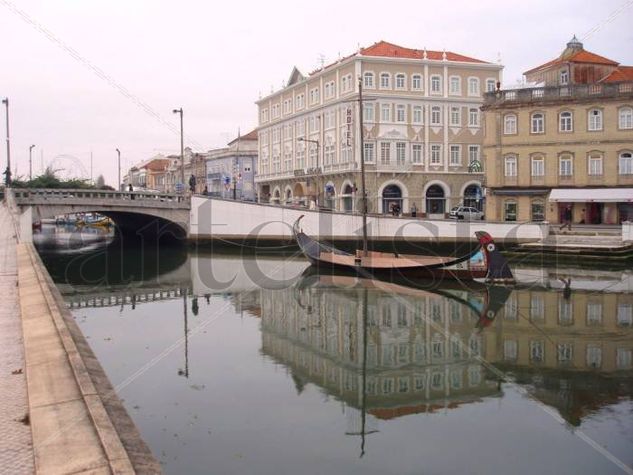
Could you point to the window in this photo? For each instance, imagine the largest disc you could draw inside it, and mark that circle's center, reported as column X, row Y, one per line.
column 594, row 356
column 626, row 163
column 455, row 85
column 625, row 118
column 565, row 165
column 436, row 84
column 369, row 154
column 436, row 115
column 510, row 166
column 625, row 315
column 623, row 358
column 385, row 153
column 368, row 112
column 264, row 115
column 538, row 211
column 491, row 85
column 417, row 115
column 565, row 312
column 510, row 211
column 400, row 113
column 564, row 77
column 300, row 101
column 594, row 121
column 314, row 96
column 330, row 89
column 510, row 350
column 455, row 157
column 401, row 81
column 416, row 153
column 537, row 351
column 538, row 166
column 565, row 352
column 401, row 152
column 594, row 313
column 416, row 82
column 473, row 86
column 538, row 123
column 565, row 122
column 385, row 112
column 385, row 80
column 595, row 165
column 473, row 117
column 368, row 80
column 436, row 154
column 456, row 116
column 537, row 307
column 473, row 154
column 510, row 124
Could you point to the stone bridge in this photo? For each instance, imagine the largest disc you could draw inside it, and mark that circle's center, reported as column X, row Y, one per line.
column 150, row 215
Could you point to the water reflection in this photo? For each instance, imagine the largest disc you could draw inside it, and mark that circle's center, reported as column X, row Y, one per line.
column 384, row 353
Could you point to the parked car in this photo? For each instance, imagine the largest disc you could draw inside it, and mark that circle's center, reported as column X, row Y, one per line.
column 466, row 213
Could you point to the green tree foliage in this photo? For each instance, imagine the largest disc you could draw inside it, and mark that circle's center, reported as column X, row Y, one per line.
column 48, row 179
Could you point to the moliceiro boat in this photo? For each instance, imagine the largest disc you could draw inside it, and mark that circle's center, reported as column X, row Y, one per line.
column 484, row 262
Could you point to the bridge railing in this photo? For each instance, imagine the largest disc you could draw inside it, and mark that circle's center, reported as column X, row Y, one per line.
column 44, row 194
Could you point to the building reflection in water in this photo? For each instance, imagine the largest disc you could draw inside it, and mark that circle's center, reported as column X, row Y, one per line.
column 429, row 351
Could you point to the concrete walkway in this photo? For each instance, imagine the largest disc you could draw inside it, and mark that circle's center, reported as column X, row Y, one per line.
column 16, row 446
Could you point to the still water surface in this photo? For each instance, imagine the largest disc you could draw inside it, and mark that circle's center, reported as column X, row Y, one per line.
column 248, row 364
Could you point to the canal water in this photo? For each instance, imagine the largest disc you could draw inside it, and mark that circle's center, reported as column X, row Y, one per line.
column 244, row 362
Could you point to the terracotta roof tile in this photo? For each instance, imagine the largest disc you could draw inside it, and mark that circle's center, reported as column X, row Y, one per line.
column 582, row 56
column 252, row 135
column 623, row 73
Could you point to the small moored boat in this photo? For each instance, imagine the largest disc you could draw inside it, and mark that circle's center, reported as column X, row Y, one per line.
column 484, row 262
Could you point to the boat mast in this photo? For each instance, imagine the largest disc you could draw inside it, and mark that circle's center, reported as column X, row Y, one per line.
column 362, row 164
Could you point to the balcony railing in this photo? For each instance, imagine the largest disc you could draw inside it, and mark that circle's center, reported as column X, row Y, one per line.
column 553, row 93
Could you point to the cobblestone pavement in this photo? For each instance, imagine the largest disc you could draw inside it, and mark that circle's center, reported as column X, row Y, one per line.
column 16, row 452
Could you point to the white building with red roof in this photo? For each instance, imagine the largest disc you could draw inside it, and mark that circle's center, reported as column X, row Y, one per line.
column 422, row 132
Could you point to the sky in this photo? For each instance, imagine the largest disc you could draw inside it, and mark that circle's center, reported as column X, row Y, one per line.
column 86, row 77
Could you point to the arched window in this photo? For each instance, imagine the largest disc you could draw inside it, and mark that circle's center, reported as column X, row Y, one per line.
column 385, row 80
column 594, row 120
column 538, row 166
column 625, row 118
column 436, row 84
column 538, row 123
column 416, row 82
column 626, row 163
column 594, row 164
column 510, row 166
column 565, row 165
column 401, row 81
column 473, row 197
column 392, row 199
column 510, row 124
column 436, row 115
column 455, row 85
column 368, row 80
column 347, row 198
column 565, row 122
column 473, row 86
column 435, row 200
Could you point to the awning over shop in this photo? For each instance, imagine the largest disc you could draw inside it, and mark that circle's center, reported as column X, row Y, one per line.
column 520, row 191
column 592, row 195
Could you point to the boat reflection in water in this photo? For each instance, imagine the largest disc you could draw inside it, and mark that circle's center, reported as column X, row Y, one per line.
column 388, row 350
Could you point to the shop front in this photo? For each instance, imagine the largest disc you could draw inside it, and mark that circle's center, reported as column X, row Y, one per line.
column 594, row 205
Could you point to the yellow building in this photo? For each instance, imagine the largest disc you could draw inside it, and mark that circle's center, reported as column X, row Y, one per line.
column 566, row 142
column 422, row 131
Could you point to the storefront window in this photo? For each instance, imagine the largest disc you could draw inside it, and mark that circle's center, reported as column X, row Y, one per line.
column 538, row 211
column 510, row 211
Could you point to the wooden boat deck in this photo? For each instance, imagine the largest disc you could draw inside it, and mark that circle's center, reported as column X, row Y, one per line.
column 382, row 260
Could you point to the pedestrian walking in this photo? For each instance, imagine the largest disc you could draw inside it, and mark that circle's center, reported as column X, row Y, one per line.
column 414, row 211
column 131, row 189
column 192, row 183
column 567, row 214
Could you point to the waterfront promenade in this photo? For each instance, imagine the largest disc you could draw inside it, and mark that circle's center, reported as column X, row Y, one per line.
column 77, row 424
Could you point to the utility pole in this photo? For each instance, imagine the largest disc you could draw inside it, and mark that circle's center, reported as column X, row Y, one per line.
column 31, row 162
column 362, row 164
column 182, row 149
column 7, row 172
column 119, row 184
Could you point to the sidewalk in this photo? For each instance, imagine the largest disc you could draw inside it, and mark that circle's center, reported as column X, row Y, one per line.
column 16, row 444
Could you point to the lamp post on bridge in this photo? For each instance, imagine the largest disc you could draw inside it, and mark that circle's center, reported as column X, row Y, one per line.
column 7, row 172
column 31, row 162
column 182, row 149
column 119, row 157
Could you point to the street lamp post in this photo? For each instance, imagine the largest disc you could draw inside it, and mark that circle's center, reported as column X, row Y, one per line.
column 119, row 156
column 31, row 162
column 318, row 170
column 7, row 172
column 182, row 149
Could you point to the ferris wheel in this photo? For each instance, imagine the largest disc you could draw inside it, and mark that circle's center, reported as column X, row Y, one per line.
column 68, row 167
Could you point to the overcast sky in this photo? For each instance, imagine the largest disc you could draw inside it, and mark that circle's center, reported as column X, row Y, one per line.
column 95, row 75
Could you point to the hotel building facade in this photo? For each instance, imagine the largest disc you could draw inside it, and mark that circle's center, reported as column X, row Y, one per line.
column 566, row 141
column 422, row 132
